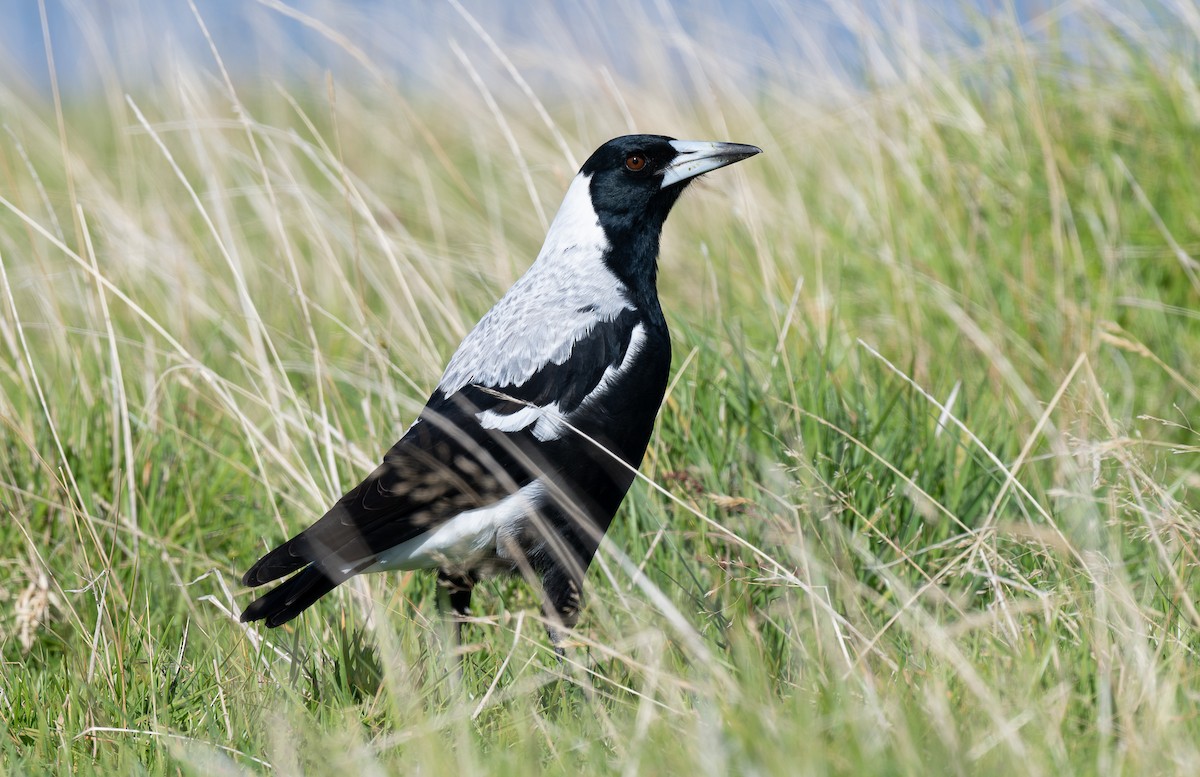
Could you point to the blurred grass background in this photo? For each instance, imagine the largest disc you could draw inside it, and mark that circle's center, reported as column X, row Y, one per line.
column 922, row 496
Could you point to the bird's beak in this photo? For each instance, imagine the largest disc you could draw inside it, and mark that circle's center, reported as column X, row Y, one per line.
column 696, row 157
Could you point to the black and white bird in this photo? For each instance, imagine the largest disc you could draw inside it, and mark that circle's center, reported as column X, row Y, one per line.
column 529, row 443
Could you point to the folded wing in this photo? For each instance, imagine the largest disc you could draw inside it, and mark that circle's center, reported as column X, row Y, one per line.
column 467, row 450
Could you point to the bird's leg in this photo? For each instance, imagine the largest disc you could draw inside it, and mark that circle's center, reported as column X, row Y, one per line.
column 454, row 599
column 563, row 602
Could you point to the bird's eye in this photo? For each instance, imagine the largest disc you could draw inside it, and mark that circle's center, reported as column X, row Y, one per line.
column 635, row 163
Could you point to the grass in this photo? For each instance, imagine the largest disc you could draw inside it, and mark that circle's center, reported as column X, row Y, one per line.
column 922, row 495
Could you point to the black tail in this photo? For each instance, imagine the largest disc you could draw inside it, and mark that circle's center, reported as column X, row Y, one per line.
column 289, row 598
column 284, row 560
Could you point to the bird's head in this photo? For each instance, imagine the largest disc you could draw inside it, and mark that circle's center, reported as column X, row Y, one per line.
column 627, row 187
column 635, row 179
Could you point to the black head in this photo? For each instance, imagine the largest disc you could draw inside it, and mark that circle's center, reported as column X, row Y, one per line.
column 635, row 179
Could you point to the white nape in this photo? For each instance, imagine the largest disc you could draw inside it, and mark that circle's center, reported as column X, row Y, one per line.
column 565, row 293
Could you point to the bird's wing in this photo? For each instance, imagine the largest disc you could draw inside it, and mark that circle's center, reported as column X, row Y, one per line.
column 544, row 401
column 467, row 450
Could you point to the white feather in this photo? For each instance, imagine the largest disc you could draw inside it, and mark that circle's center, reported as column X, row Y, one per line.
column 468, row 538
column 547, row 421
column 565, row 293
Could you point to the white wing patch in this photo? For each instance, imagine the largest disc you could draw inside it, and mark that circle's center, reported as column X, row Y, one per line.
column 548, row 422
column 467, row 539
column 565, row 293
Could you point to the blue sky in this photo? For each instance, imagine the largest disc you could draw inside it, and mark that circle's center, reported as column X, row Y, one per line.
column 136, row 39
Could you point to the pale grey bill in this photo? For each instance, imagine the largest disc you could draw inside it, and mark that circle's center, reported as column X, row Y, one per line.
column 696, row 157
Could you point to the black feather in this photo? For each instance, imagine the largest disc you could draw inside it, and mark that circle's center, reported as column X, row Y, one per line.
column 290, row 598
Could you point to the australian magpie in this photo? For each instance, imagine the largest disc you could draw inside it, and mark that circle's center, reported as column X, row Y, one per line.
column 521, row 457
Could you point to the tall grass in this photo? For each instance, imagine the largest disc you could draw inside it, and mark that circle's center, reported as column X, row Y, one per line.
column 922, row 496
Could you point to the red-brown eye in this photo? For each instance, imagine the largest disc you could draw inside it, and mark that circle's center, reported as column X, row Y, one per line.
column 635, row 163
